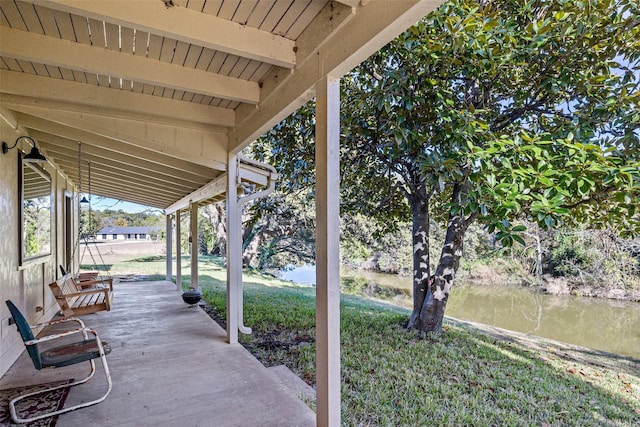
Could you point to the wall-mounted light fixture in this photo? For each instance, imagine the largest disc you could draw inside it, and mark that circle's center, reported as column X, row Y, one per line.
column 34, row 156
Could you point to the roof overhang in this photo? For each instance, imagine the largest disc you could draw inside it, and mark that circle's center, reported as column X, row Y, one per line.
column 155, row 94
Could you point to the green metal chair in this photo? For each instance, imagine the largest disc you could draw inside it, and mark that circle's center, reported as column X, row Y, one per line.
column 86, row 349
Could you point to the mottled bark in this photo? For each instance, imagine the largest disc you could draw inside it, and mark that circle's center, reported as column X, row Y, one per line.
column 421, row 269
column 433, row 308
column 430, row 298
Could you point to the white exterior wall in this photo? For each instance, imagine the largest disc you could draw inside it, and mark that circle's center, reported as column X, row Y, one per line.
column 26, row 286
column 122, row 237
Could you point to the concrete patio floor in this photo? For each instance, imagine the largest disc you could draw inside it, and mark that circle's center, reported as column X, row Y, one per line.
column 170, row 366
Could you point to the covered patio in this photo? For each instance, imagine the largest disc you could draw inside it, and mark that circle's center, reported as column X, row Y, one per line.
column 171, row 365
column 153, row 102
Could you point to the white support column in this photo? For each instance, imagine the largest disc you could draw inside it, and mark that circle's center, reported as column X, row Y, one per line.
column 178, row 253
column 193, row 224
column 169, row 236
column 327, row 251
column 234, row 250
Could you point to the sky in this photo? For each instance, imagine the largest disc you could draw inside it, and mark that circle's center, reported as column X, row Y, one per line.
column 102, row 203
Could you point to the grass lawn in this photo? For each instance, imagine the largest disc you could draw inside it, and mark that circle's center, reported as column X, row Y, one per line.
column 393, row 377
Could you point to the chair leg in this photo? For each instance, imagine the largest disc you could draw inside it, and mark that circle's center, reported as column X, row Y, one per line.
column 18, row 420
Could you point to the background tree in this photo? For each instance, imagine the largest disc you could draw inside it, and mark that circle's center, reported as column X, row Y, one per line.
column 284, row 232
column 90, row 222
column 276, row 231
column 488, row 111
column 36, row 215
column 121, row 222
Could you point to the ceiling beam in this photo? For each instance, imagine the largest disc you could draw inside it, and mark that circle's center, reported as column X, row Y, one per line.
column 123, row 194
column 125, row 102
column 57, row 144
column 126, row 191
column 201, row 148
column 103, row 182
column 212, row 189
column 186, row 25
column 8, row 117
column 13, row 101
column 130, row 174
column 61, row 158
column 101, row 179
column 288, row 91
column 117, row 148
column 330, row 19
column 350, row 3
column 41, row 49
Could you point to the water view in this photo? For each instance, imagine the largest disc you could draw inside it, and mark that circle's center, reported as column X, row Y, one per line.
column 602, row 324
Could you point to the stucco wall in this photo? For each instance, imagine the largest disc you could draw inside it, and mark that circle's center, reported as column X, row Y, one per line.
column 26, row 285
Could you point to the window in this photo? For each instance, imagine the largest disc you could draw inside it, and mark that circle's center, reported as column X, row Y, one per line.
column 35, row 211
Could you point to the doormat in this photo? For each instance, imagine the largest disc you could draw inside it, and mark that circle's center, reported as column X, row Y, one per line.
column 34, row 405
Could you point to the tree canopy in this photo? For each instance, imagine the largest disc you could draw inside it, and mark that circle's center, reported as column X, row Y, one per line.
column 535, row 103
column 489, row 112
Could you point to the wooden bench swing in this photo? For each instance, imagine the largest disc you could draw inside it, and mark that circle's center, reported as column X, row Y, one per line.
column 76, row 299
column 85, row 293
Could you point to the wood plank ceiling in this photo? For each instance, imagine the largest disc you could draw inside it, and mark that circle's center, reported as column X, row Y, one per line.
column 154, row 94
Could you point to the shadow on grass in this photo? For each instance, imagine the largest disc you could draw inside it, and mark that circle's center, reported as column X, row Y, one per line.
column 630, row 365
column 548, row 348
column 391, row 376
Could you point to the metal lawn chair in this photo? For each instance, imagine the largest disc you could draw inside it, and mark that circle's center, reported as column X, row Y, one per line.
column 71, row 353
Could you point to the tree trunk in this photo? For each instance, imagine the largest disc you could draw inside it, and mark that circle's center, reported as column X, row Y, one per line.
column 430, row 312
column 433, row 308
column 421, row 269
column 538, row 254
column 221, row 231
column 252, row 247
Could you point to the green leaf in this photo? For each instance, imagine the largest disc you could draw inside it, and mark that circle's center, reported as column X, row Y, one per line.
column 518, row 239
column 549, row 221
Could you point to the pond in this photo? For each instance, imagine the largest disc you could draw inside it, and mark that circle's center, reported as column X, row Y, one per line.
column 602, row 324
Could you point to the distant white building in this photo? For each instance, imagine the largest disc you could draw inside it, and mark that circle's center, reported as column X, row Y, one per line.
column 126, row 233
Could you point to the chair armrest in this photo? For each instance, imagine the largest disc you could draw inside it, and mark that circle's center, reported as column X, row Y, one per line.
column 60, row 335
column 54, row 322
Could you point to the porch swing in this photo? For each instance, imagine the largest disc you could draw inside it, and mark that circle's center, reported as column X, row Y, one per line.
column 91, row 278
